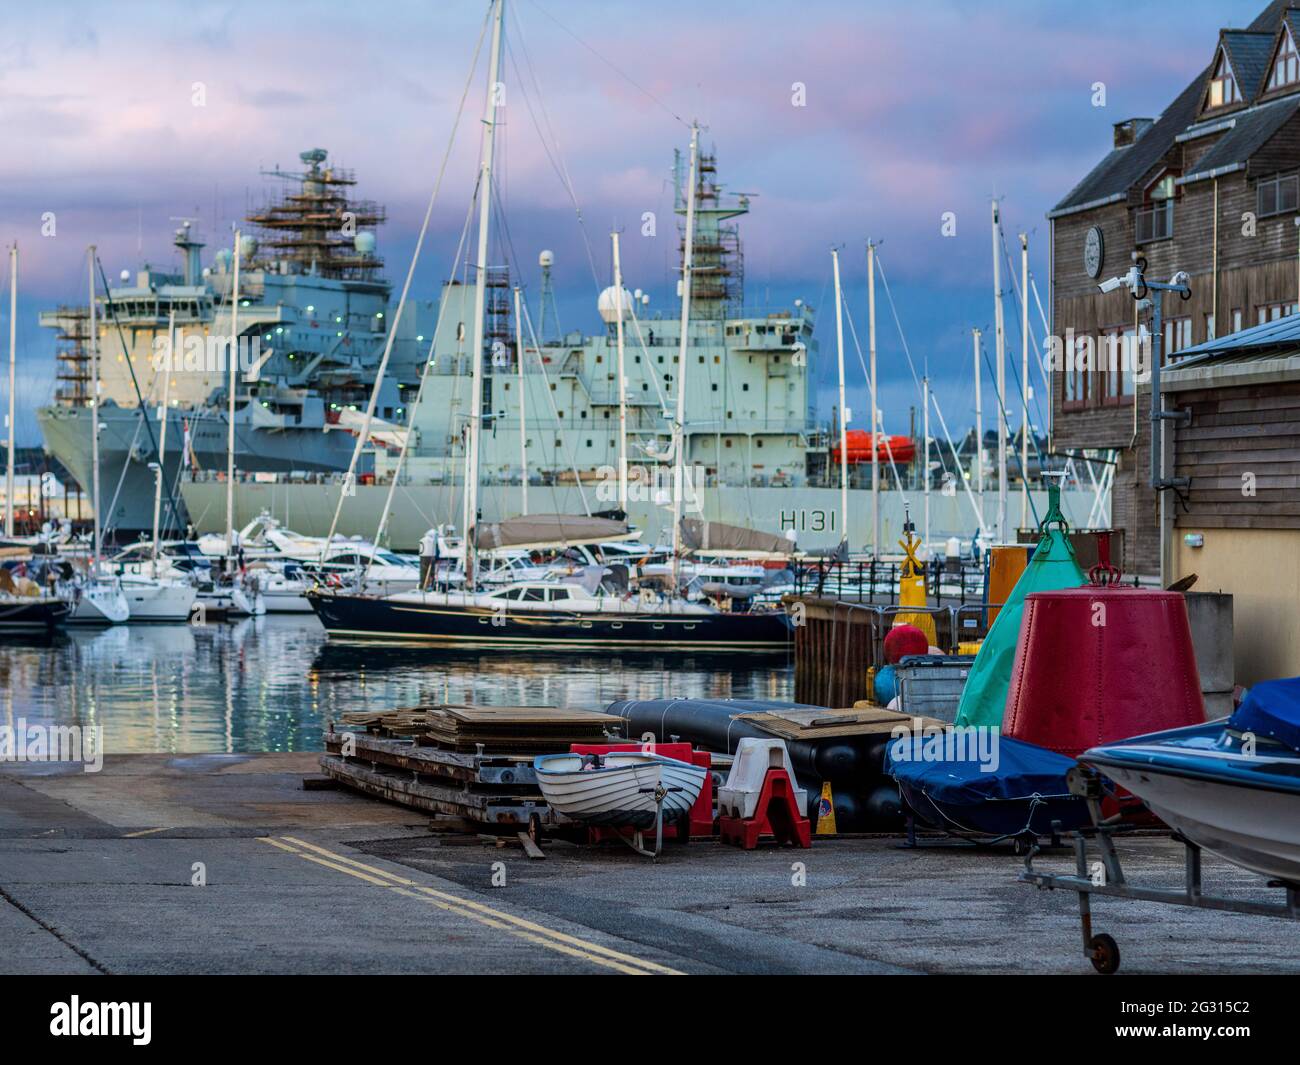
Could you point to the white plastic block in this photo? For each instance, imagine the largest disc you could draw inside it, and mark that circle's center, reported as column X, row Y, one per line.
column 754, row 757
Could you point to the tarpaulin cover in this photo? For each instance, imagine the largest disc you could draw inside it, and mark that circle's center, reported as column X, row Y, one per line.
column 1271, row 708
column 546, row 530
column 716, row 536
column 1052, row 567
column 1027, row 792
column 1022, row 770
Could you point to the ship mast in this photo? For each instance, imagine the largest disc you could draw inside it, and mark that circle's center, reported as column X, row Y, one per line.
column 1001, row 379
column 232, row 359
column 168, row 369
column 1024, row 380
column 622, row 381
column 480, row 293
column 679, row 422
column 523, row 405
column 979, row 428
column 94, row 405
column 13, row 376
column 875, row 448
column 844, row 413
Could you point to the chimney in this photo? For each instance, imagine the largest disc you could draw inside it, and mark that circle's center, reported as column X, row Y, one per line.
column 1128, row 131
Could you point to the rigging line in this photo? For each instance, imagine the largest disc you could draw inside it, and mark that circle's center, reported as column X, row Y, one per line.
column 121, row 337
column 406, row 288
column 654, row 377
column 853, row 331
column 1020, row 298
column 1024, row 474
column 566, row 179
column 546, row 380
column 430, row 363
column 933, row 398
column 617, row 70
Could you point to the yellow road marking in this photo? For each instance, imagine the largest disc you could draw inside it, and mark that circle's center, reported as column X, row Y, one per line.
column 144, row 832
column 517, row 926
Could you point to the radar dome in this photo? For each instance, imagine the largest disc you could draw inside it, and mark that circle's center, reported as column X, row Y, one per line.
column 607, row 305
column 547, row 258
column 364, row 243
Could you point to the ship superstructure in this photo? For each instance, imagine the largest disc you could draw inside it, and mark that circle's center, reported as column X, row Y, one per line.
column 749, row 404
column 312, row 323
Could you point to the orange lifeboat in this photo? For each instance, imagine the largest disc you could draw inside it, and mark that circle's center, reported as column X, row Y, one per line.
column 901, row 448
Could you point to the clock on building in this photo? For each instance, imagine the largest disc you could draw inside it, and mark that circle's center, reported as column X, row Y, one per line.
column 1093, row 251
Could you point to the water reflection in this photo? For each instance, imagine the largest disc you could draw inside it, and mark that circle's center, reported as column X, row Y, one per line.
column 271, row 684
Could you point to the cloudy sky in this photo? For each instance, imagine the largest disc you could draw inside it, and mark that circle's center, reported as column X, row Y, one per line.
column 910, row 111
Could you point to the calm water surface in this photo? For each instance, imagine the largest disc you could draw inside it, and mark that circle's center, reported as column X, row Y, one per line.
column 272, row 684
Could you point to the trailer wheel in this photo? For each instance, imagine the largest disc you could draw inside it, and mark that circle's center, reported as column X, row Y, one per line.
column 1104, row 954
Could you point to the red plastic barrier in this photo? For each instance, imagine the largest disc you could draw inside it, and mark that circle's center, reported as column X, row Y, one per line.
column 1099, row 664
column 776, row 815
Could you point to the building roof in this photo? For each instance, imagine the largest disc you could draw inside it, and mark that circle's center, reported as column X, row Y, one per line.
column 1250, row 130
column 1262, row 354
column 1248, row 50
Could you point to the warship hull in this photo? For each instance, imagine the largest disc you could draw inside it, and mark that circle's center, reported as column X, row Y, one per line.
column 813, row 513
column 127, row 483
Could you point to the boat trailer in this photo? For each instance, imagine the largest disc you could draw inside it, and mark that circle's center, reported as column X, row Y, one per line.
column 1107, row 877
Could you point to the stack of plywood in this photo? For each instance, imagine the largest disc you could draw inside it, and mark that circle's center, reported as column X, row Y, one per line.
column 529, row 729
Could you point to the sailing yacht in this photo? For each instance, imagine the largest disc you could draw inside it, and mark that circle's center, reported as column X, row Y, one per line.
column 597, row 610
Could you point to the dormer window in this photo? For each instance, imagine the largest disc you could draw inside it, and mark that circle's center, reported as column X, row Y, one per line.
column 1286, row 66
column 1154, row 220
column 1223, row 85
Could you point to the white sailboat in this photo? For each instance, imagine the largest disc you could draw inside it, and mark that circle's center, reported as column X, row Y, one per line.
column 96, row 600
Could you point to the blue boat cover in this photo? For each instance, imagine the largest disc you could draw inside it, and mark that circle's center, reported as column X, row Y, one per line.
column 1022, row 770
column 1271, row 708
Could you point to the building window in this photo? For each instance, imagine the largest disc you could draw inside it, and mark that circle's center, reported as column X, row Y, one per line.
column 1116, row 355
column 1286, row 67
column 1271, row 312
column 1236, row 319
column 1209, row 327
column 1277, row 195
column 1178, row 335
column 1155, row 219
column 1223, row 85
column 1078, row 368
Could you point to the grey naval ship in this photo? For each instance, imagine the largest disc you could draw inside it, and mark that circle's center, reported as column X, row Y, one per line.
column 313, row 306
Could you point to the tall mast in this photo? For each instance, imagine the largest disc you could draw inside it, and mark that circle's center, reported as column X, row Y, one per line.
column 168, row 369
column 523, row 406
column 875, row 449
column 13, row 378
column 94, row 405
column 1024, row 380
column 844, row 413
column 925, row 462
column 978, row 460
column 232, row 361
column 1001, row 380
column 679, row 422
column 480, row 292
column 622, row 381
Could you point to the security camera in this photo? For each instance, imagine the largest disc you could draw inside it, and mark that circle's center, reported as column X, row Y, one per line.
column 1182, row 277
column 1112, row 284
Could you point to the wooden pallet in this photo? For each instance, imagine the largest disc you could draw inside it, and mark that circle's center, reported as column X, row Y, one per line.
column 826, row 724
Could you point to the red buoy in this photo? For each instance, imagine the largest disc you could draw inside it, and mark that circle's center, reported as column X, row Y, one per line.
column 1099, row 664
column 905, row 640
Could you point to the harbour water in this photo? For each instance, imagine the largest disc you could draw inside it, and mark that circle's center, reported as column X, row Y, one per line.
column 273, row 683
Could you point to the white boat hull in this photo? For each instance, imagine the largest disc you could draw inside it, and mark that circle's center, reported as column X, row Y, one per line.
column 1256, row 828
column 163, row 601
column 621, row 794
column 100, row 603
